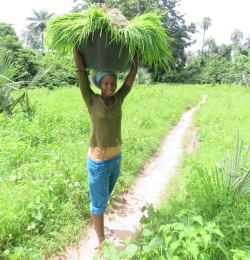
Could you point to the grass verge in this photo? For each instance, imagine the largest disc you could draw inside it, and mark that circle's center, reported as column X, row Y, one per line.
column 44, row 202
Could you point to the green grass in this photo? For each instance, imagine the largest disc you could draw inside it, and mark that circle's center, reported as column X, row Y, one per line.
column 220, row 119
column 43, row 184
column 196, row 220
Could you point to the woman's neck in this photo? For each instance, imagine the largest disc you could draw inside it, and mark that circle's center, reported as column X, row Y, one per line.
column 108, row 100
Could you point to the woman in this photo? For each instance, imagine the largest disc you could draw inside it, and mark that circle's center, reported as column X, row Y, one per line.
column 104, row 155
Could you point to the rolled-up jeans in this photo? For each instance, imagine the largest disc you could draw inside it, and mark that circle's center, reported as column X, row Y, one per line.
column 102, row 178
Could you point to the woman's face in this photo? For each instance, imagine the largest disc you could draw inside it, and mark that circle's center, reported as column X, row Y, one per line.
column 108, row 85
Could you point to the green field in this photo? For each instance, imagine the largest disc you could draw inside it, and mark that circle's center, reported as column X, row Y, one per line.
column 43, row 183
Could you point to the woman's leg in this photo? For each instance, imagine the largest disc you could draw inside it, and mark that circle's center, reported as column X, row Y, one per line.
column 102, row 179
column 98, row 191
column 115, row 169
column 98, row 222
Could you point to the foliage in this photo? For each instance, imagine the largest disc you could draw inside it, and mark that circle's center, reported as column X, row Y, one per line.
column 143, row 35
column 37, row 25
column 7, row 85
column 205, row 24
column 28, row 63
column 6, row 75
column 172, row 20
column 215, row 68
column 62, row 71
column 185, row 235
column 203, row 216
column 142, row 77
column 43, row 185
column 24, row 59
column 223, row 116
column 6, row 29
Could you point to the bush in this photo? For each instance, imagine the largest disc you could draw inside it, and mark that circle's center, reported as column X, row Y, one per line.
column 62, row 71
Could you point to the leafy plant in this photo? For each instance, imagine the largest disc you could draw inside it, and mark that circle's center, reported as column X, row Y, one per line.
column 6, row 75
column 185, row 235
column 231, row 178
column 7, row 85
column 143, row 76
column 40, row 158
column 144, row 34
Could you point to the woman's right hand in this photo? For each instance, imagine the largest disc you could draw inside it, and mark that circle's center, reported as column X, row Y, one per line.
column 79, row 61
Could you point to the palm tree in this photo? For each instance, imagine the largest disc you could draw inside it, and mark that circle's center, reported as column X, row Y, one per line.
column 236, row 37
column 8, row 85
column 247, row 43
column 7, row 73
column 38, row 22
column 205, row 23
column 211, row 44
column 31, row 38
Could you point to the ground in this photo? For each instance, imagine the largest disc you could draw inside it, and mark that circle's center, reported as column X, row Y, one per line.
column 148, row 188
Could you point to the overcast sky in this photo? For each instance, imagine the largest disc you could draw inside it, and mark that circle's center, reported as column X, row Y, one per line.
column 16, row 11
column 226, row 15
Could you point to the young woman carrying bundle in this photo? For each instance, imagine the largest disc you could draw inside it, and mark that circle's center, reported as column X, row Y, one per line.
column 104, row 154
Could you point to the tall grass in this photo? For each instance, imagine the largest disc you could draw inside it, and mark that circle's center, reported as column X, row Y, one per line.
column 214, row 178
column 44, row 201
column 206, row 211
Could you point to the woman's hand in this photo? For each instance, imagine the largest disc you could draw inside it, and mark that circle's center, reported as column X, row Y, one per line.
column 79, row 61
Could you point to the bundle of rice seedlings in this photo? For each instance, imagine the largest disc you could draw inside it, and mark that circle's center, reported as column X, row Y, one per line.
column 143, row 35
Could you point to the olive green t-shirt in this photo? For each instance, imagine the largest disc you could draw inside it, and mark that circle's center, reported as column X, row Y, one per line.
column 106, row 121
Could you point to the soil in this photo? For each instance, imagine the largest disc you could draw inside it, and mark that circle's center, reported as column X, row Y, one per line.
column 149, row 187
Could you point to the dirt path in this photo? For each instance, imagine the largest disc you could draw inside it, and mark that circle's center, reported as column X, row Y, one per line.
column 148, row 187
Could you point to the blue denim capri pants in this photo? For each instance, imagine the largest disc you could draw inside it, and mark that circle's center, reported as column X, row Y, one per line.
column 102, row 178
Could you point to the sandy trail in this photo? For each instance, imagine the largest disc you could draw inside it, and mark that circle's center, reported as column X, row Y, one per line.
column 148, row 188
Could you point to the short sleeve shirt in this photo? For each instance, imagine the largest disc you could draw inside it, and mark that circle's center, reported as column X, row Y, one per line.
column 106, row 120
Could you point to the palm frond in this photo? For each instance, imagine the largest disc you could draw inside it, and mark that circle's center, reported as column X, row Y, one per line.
column 40, row 74
column 7, row 85
column 232, row 178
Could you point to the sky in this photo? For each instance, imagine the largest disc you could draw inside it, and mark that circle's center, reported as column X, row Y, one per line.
column 225, row 15
column 15, row 12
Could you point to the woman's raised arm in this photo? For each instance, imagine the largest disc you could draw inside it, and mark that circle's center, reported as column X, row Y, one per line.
column 133, row 70
column 82, row 75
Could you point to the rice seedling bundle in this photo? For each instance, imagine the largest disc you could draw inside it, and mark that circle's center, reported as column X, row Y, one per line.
column 143, row 35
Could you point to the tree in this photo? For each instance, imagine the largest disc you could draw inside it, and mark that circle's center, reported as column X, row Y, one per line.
column 37, row 23
column 6, row 29
column 24, row 59
column 210, row 43
column 204, row 25
column 224, row 52
column 31, row 38
column 236, row 37
column 247, row 44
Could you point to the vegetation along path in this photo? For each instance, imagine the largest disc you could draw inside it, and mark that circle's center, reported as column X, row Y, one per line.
column 148, row 188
